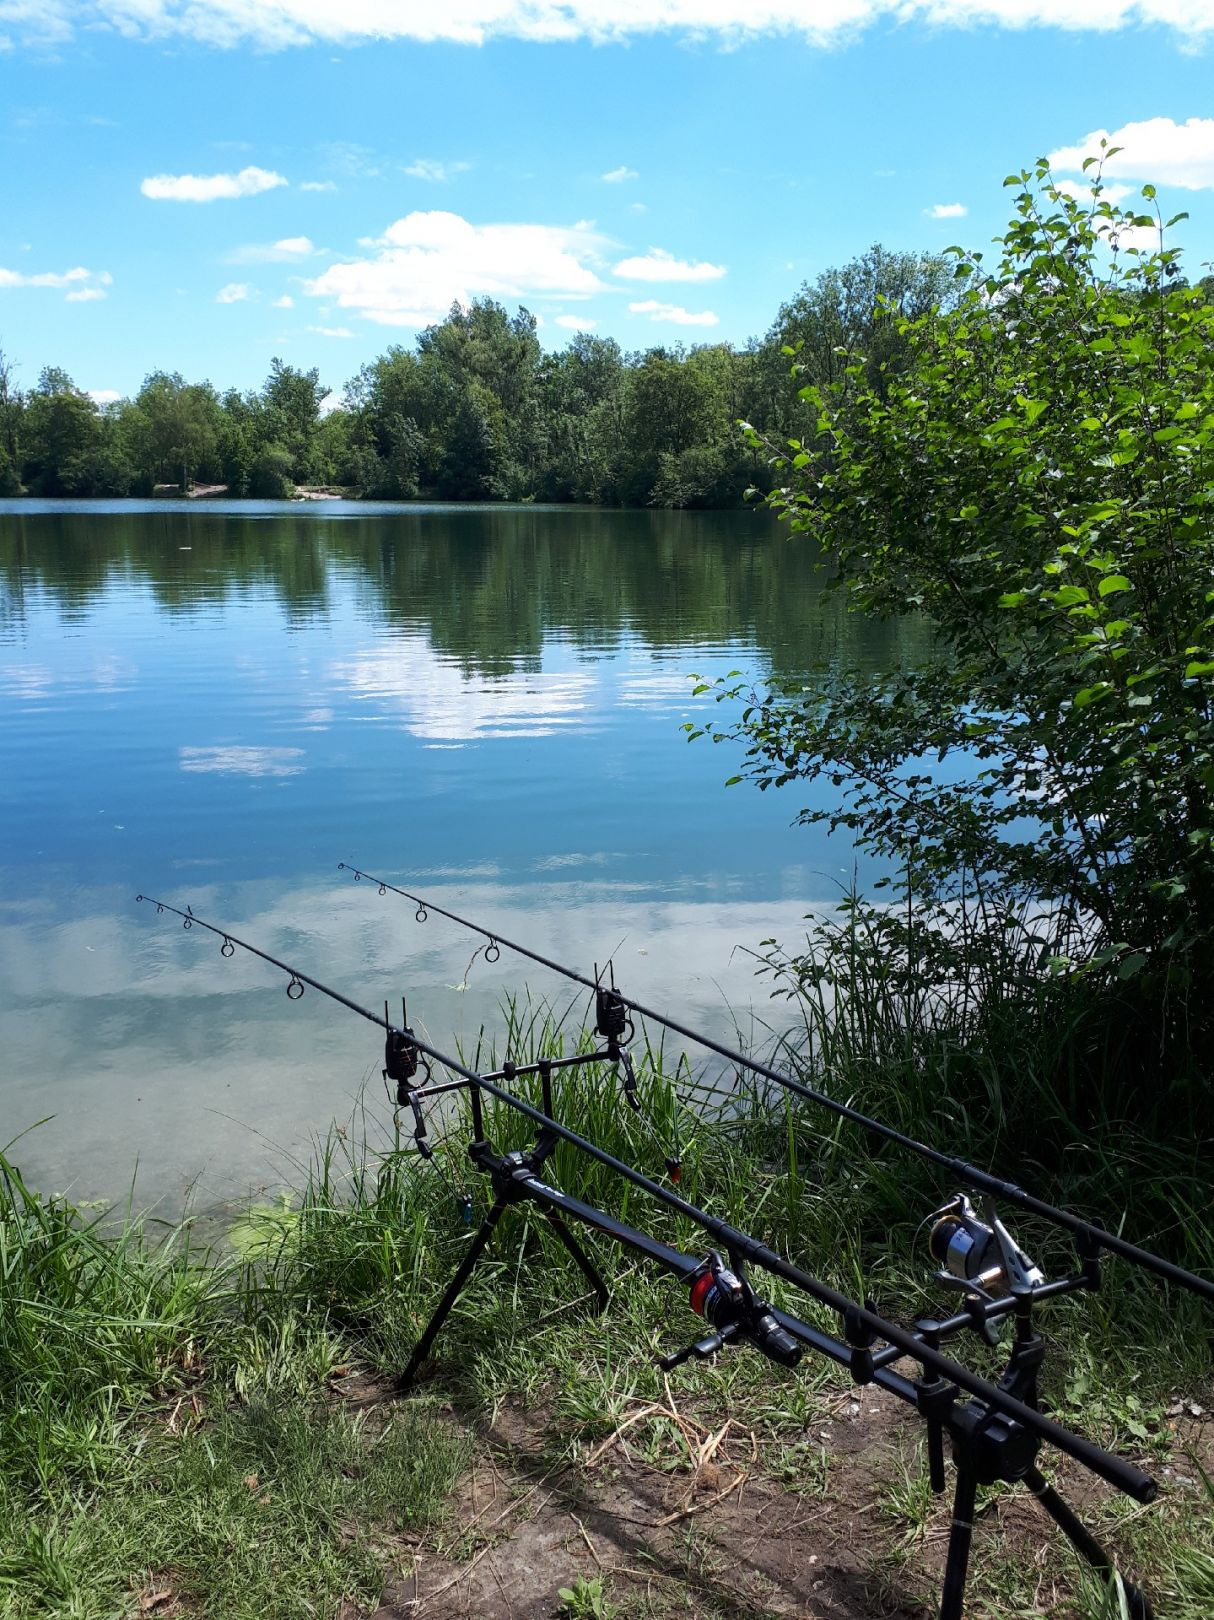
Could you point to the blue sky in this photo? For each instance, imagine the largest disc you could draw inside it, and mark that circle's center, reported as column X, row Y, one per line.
column 201, row 186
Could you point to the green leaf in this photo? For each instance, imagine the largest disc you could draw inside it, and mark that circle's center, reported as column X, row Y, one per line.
column 1112, row 583
column 1196, row 668
column 732, row 781
column 1131, row 965
column 1089, row 694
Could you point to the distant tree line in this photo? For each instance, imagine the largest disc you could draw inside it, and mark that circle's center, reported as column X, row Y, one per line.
column 477, row 411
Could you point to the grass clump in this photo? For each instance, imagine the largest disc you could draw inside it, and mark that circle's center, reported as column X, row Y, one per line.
column 164, row 1426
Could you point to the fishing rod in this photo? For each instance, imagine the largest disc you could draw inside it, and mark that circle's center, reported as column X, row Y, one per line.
column 995, row 1435
column 1087, row 1231
column 860, row 1319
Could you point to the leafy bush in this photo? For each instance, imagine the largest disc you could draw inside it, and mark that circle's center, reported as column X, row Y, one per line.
column 1034, row 481
column 270, row 478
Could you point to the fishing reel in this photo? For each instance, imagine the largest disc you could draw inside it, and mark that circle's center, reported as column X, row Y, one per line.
column 978, row 1257
column 725, row 1298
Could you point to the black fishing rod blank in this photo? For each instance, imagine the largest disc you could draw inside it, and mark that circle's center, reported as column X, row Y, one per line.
column 995, row 1435
column 1086, row 1231
column 864, row 1325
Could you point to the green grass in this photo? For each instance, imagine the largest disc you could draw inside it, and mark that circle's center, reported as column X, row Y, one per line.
column 274, row 1508
column 167, row 1417
column 163, row 1425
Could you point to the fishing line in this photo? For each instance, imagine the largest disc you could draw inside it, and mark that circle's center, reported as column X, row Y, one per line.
column 1008, row 1191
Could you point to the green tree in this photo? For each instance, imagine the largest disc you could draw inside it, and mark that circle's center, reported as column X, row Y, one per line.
column 11, row 408
column 474, row 463
column 237, row 440
column 61, row 425
column 290, row 409
column 1032, row 478
column 582, row 389
column 482, row 366
column 670, row 406
column 175, row 429
column 860, row 308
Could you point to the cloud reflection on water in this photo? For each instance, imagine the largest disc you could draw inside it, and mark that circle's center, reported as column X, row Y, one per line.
column 237, row 1080
column 437, row 700
column 242, row 761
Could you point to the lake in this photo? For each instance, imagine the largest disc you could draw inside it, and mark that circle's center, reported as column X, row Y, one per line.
column 217, row 703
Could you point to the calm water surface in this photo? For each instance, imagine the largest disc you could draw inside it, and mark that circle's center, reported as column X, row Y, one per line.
column 217, row 704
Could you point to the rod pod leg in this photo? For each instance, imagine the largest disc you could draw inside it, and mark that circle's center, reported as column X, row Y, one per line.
column 1084, row 1542
column 956, row 1568
column 585, row 1264
column 454, row 1288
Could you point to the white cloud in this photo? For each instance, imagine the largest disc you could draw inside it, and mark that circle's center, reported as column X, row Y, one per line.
column 80, row 285
column 319, row 185
column 1081, row 191
column 425, row 262
column 946, row 211
column 284, row 251
column 202, row 188
column 285, row 302
column 1156, row 149
column 672, row 312
column 658, row 265
column 575, row 323
column 614, row 177
column 236, row 292
column 332, row 331
column 104, row 396
column 276, row 24
column 1146, row 238
column 431, row 169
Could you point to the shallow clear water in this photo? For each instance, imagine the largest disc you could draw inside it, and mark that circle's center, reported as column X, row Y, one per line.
column 217, row 703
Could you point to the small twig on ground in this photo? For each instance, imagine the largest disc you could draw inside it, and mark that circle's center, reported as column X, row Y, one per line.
column 587, row 1540
column 699, row 1507
column 648, row 1410
column 459, row 1575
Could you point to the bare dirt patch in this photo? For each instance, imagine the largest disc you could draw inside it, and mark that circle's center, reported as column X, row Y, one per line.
column 713, row 1534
